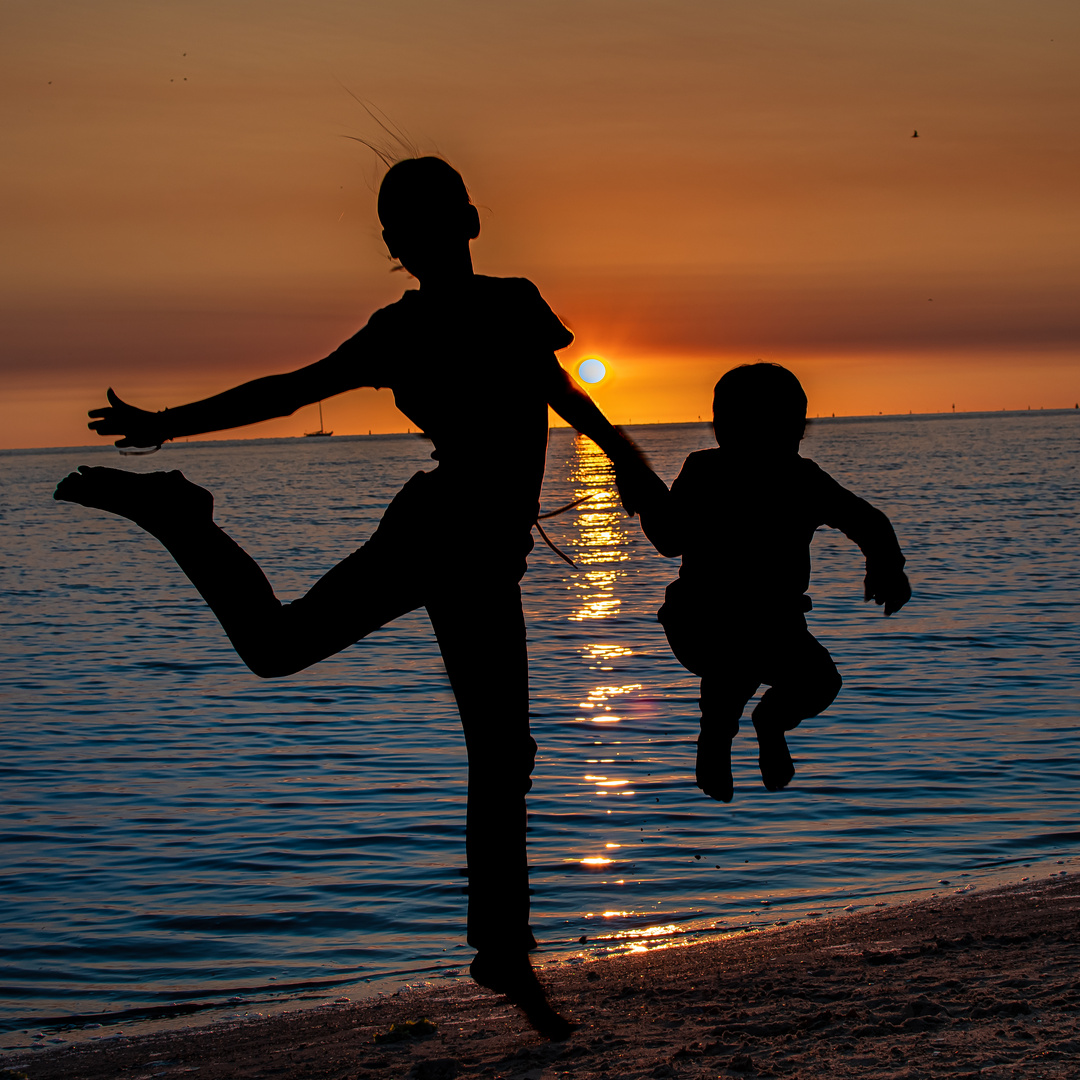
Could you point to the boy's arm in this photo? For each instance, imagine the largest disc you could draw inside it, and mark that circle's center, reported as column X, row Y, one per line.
column 889, row 590
column 639, row 487
column 249, row 403
column 885, row 583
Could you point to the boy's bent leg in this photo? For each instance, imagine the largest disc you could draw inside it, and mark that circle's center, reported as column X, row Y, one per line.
column 723, row 698
column 803, row 683
column 726, row 687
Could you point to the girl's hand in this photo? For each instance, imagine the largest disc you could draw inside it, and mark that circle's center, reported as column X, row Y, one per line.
column 137, row 427
column 640, row 489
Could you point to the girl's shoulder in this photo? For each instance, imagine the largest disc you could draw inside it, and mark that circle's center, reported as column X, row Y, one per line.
column 510, row 292
column 517, row 302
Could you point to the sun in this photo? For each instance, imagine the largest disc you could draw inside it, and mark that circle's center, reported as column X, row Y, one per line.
column 591, row 370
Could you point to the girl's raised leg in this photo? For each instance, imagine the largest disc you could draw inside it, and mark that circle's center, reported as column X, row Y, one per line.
column 272, row 638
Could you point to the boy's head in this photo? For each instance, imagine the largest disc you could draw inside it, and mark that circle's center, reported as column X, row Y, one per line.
column 760, row 405
column 425, row 211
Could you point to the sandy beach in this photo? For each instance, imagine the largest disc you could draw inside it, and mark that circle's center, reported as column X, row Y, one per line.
column 984, row 983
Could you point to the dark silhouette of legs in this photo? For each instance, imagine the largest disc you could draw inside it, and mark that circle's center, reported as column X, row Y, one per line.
column 803, row 682
column 725, row 690
column 481, row 633
column 722, row 702
column 272, row 638
column 733, row 659
column 475, row 608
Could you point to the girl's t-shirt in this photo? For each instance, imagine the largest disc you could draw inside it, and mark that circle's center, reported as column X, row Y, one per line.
column 473, row 371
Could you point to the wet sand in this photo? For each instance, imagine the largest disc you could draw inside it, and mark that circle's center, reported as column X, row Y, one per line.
column 985, row 984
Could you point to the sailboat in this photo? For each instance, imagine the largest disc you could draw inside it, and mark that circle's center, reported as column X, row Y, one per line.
column 321, row 432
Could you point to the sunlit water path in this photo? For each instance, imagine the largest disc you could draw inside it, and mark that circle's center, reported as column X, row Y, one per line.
column 176, row 830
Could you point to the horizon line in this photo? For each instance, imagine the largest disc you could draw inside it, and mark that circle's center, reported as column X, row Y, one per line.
column 409, row 434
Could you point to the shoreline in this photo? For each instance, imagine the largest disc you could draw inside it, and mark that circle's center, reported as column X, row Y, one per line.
column 757, row 914
column 965, row 985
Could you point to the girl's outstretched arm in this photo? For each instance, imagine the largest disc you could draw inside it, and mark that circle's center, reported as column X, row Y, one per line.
column 639, row 486
column 260, row 399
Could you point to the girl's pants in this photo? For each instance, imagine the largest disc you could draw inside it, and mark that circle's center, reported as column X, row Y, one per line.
column 474, row 603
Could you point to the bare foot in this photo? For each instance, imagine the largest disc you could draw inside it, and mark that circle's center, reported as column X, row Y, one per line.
column 774, row 760
column 152, row 500
column 713, row 773
column 514, row 977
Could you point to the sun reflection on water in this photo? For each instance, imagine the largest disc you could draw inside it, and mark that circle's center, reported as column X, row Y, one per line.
column 598, row 700
column 635, row 939
column 602, row 536
column 602, row 656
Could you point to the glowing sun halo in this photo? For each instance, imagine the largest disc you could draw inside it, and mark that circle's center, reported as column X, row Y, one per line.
column 591, row 370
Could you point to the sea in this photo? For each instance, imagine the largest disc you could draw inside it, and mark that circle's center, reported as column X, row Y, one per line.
column 182, row 841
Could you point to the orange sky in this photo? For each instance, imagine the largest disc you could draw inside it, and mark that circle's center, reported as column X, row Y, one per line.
column 691, row 184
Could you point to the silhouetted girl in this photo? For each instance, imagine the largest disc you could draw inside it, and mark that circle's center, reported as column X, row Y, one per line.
column 435, row 348
column 742, row 517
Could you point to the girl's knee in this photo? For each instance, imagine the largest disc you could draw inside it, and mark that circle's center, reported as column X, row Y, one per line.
column 270, row 663
column 283, row 646
column 268, row 669
column 502, row 769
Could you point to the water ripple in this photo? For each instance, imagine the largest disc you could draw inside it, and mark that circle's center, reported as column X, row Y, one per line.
column 174, row 830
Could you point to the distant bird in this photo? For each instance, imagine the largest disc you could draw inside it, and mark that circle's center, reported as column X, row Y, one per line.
column 916, row 134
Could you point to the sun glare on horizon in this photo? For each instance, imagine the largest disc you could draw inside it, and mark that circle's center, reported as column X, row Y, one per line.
column 591, row 370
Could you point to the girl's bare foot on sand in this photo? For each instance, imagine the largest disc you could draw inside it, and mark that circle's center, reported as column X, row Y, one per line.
column 713, row 772
column 152, row 500
column 774, row 760
column 514, row 977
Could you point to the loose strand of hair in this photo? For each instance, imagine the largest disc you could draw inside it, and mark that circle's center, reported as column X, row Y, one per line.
column 401, row 144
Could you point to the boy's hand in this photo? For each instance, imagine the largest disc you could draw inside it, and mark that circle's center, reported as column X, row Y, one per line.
column 137, row 427
column 889, row 590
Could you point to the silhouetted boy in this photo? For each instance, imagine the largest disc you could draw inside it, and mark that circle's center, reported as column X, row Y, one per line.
column 436, row 348
column 742, row 516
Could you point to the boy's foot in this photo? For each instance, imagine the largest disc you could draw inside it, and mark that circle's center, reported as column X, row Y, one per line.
column 514, row 977
column 151, row 500
column 713, row 772
column 774, row 760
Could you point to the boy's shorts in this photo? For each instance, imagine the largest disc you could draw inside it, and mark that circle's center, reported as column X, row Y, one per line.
column 735, row 652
